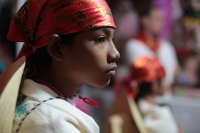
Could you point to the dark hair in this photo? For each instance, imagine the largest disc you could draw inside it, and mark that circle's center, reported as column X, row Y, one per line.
column 147, row 10
column 146, row 13
column 141, row 5
column 144, row 89
column 68, row 39
column 41, row 60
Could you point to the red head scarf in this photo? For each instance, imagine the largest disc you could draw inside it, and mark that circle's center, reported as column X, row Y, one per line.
column 147, row 69
column 37, row 20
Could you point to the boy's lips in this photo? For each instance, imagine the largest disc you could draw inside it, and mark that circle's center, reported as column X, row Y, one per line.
column 111, row 72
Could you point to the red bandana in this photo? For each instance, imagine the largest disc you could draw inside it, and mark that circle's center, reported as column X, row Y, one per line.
column 37, row 20
column 147, row 69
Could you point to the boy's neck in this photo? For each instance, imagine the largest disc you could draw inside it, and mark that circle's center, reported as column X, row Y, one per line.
column 67, row 87
column 149, row 36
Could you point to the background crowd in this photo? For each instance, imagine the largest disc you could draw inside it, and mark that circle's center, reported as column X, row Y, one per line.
column 172, row 34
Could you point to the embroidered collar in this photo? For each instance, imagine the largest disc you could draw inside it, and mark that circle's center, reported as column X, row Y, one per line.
column 85, row 99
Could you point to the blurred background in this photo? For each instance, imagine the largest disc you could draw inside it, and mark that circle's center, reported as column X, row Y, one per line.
column 177, row 23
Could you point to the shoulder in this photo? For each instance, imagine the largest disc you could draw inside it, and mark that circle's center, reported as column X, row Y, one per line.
column 138, row 47
column 32, row 116
column 42, row 110
column 166, row 52
column 135, row 48
column 52, row 116
column 144, row 106
column 166, row 45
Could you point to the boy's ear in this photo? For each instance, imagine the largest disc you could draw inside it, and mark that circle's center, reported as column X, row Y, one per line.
column 54, row 47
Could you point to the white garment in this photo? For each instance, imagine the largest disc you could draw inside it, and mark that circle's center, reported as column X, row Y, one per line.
column 52, row 116
column 165, row 53
column 157, row 119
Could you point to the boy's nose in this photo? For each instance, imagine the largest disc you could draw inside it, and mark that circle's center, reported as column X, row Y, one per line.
column 113, row 54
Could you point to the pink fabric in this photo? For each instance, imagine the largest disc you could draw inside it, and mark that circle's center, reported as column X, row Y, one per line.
column 81, row 105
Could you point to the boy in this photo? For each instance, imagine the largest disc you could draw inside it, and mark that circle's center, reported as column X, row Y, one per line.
column 67, row 43
column 149, row 74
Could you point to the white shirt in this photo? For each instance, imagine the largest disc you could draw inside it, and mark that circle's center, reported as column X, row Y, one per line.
column 52, row 116
column 165, row 53
column 157, row 119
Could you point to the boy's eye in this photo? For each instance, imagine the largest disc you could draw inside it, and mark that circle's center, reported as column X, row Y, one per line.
column 100, row 39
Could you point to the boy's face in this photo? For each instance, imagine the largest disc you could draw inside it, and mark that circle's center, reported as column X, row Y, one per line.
column 91, row 59
column 155, row 21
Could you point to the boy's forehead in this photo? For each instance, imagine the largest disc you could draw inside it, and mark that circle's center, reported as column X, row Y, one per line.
column 106, row 30
column 156, row 10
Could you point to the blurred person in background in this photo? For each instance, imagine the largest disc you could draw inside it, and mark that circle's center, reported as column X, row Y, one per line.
column 149, row 74
column 148, row 42
column 143, row 84
column 189, row 73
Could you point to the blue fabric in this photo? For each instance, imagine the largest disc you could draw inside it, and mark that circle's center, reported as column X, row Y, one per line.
column 2, row 66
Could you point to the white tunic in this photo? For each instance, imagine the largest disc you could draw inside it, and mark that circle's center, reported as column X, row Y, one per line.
column 157, row 119
column 51, row 116
column 165, row 53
